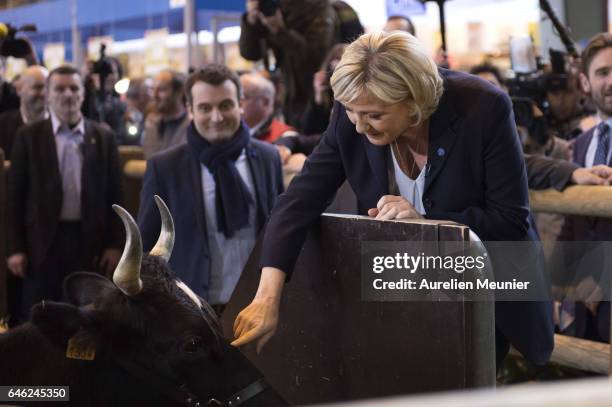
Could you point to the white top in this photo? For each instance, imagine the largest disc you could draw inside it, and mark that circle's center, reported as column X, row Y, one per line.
column 70, row 160
column 411, row 189
column 227, row 256
column 590, row 155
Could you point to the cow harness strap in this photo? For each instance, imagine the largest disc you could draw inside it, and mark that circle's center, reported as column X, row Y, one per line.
column 242, row 396
column 181, row 393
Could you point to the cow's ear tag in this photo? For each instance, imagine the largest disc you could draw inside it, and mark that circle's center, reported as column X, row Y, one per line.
column 79, row 350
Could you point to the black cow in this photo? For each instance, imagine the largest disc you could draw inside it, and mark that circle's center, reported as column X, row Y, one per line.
column 152, row 340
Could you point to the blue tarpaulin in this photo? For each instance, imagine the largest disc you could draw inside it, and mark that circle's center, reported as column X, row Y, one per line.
column 121, row 19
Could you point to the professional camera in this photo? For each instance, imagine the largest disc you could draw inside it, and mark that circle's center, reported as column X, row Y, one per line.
column 102, row 66
column 268, row 7
column 10, row 46
column 531, row 83
column 533, row 86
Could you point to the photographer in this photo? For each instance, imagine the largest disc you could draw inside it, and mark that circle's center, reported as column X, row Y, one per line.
column 111, row 108
column 552, row 170
column 8, row 96
column 299, row 33
column 102, row 103
column 11, row 46
column 538, row 138
column 567, row 108
column 318, row 113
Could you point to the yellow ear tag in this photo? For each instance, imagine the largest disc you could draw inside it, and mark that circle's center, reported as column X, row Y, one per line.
column 79, row 351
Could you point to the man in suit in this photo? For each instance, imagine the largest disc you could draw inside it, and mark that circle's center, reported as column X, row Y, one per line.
column 220, row 187
column 64, row 177
column 32, row 106
column 592, row 149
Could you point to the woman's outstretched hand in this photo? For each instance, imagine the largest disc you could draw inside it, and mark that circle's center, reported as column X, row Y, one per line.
column 258, row 321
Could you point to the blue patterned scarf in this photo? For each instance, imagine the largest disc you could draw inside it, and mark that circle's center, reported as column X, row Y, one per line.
column 232, row 197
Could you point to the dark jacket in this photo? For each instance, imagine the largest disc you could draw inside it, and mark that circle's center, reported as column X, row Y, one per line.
column 585, row 228
column 544, row 172
column 175, row 175
column 10, row 122
column 35, row 188
column 8, row 97
column 299, row 49
column 475, row 176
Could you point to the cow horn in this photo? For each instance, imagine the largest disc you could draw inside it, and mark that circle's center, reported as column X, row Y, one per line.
column 165, row 242
column 127, row 274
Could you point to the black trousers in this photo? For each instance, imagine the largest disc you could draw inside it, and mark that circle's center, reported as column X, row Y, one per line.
column 13, row 299
column 65, row 257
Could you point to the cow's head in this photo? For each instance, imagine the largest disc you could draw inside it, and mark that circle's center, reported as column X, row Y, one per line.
column 146, row 323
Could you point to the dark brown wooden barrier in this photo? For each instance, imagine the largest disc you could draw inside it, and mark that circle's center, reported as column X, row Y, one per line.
column 332, row 346
column 593, row 392
column 587, row 200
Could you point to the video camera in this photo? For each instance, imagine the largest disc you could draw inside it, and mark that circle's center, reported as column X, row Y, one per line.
column 531, row 82
column 530, row 87
column 102, row 66
column 10, row 46
column 268, row 7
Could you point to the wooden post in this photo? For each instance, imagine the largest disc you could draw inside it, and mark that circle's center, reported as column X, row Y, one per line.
column 587, row 200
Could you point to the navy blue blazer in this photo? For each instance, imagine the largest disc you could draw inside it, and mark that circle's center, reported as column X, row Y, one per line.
column 175, row 175
column 581, row 145
column 475, row 176
column 585, row 228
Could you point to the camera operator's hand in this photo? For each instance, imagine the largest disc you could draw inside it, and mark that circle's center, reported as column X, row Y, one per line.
column 17, row 264
column 274, row 23
column 320, row 84
column 284, row 153
column 253, row 13
column 597, row 175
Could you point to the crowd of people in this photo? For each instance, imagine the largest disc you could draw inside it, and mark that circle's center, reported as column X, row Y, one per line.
column 412, row 139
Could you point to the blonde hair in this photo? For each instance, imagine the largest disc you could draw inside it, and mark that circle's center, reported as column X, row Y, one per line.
column 391, row 67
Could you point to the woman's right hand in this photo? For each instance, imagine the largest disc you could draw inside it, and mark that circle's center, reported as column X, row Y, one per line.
column 258, row 321
column 253, row 13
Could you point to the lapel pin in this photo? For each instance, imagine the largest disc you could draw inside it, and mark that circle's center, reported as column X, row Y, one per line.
column 441, row 152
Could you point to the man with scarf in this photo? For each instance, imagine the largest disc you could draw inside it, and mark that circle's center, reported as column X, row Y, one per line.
column 220, row 188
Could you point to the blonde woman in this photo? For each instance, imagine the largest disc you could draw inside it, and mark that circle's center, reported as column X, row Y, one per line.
column 413, row 141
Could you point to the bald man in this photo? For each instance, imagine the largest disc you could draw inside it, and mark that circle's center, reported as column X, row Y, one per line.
column 32, row 106
column 258, row 109
column 165, row 127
